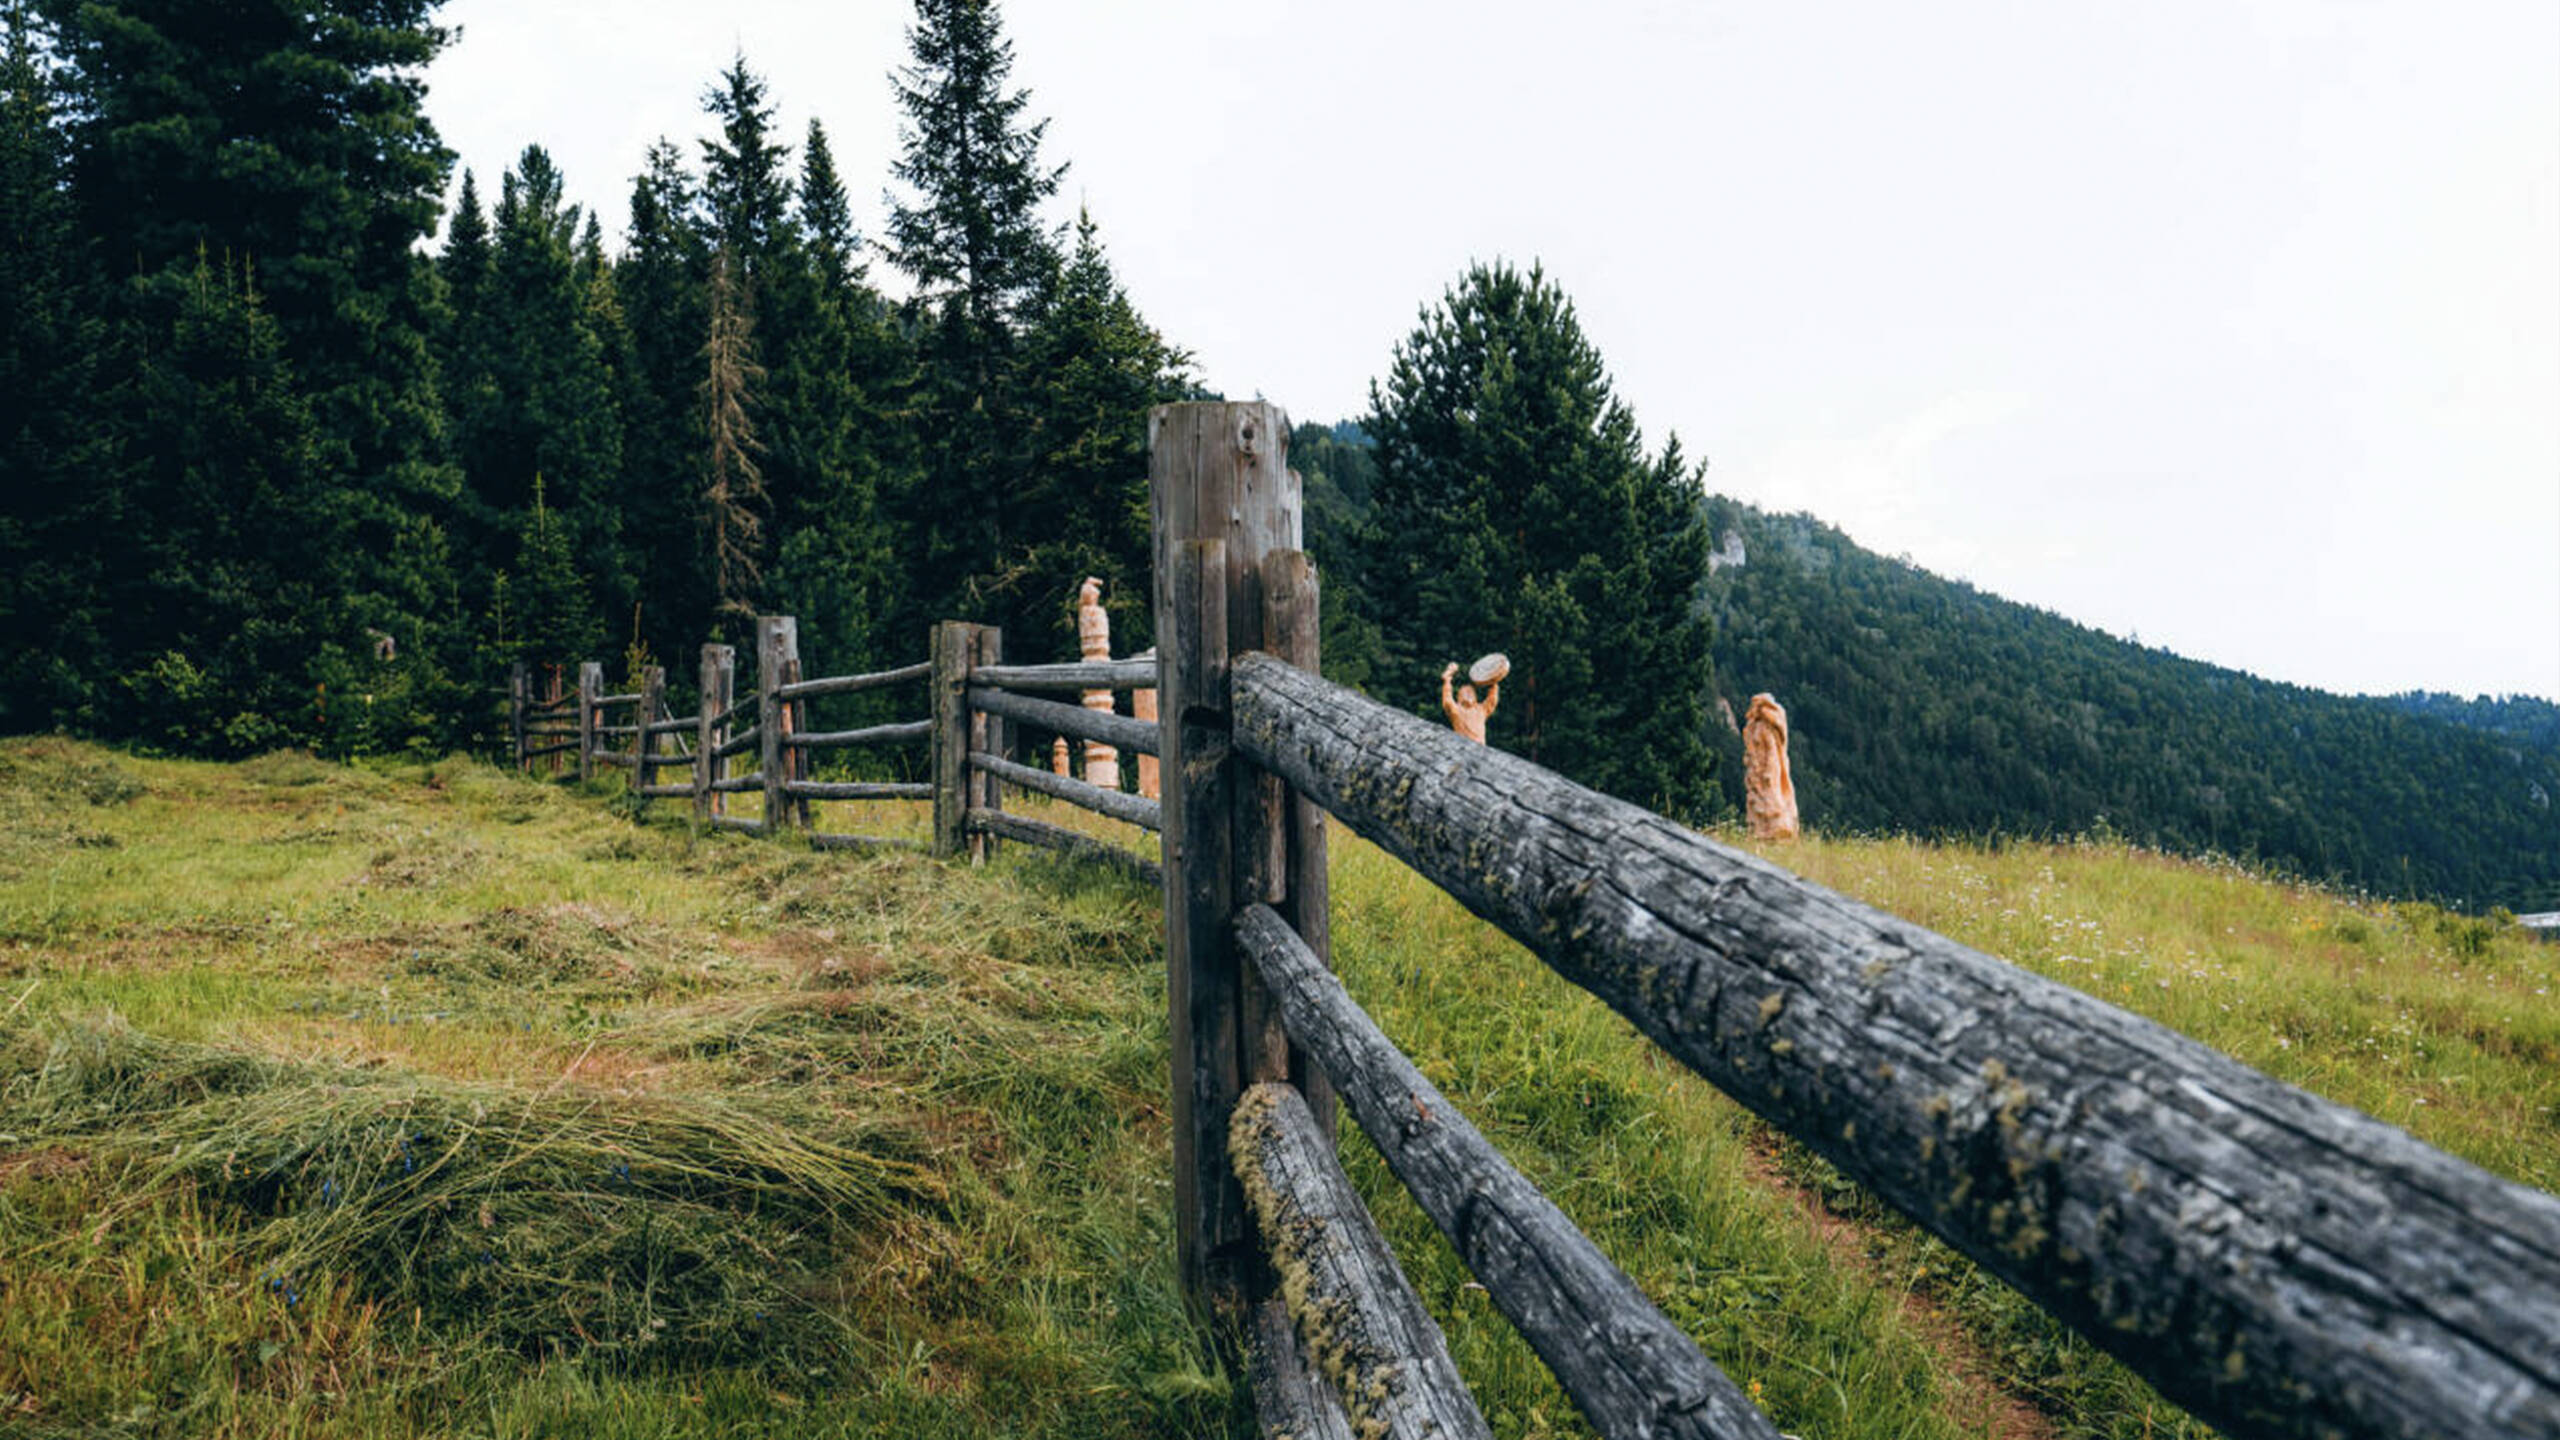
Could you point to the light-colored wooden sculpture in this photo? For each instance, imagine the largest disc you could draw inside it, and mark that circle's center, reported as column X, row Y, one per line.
column 1058, row 756
column 1093, row 633
column 1142, row 704
column 1467, row 713
column 1768, row 790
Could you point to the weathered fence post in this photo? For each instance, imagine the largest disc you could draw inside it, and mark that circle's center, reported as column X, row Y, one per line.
column 1142, row 705
column 519, row 699
column 796, row 759
column 590, row 685
column 644, row 745
column 1293, row 630
column 711, row 730
column 777, row 645
column 1224, row 499
column 986, row 732
column 953, row 646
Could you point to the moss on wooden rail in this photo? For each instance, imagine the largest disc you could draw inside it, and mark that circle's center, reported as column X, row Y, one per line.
column 1364, row 1328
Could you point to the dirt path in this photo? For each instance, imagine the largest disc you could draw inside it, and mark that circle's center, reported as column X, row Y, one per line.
column 1975, row 1397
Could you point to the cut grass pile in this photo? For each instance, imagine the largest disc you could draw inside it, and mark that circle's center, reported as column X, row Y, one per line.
column 430, row 1100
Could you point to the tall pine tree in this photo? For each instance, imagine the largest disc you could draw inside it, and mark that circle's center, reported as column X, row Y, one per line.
column 1093, row 368
column 1514, row 510
column 661, row 280
column 61, row 479
column 541, row 397
column 289, row 138
column 826, row 428
column 968, row 233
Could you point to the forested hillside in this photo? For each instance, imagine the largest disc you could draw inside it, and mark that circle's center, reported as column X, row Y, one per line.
column 1921, row 704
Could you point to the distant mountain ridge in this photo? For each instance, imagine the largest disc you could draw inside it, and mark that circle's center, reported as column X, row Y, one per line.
column 2518, row 717
column 1921, row 704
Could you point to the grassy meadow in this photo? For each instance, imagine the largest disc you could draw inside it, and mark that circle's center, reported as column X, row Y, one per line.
column 431, row 1100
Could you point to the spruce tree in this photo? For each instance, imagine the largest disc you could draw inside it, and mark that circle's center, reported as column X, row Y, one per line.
column 746, row 181
column 222, row 597
column 548, row 618
column 290, row 138
column 971, row 231
column 968, row 233
column 827, row 432
column 62, row 486
column 661, row 279
column 1514, row 510
column 548, row 404
column 464, row 265
column 1093, row 368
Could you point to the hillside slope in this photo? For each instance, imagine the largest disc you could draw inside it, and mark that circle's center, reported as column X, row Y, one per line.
column 345, row 1102
column 1922, row 705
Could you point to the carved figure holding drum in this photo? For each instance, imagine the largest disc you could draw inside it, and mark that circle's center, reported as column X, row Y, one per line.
column 1466, row 711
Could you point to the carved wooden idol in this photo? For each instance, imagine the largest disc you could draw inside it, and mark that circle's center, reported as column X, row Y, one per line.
column 1093, row 635
column 1768, row 790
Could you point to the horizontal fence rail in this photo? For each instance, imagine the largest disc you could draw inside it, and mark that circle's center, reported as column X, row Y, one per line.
column 1060, row 838
column 1118, row 731
column 867, row 735
column 849, row 684
column 1626, row 1367
column 857, row 790
column 1135, row 809
column 1077, row 676
column 2277, row 1263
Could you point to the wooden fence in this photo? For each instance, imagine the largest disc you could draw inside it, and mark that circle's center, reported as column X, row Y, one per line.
column 2278, row 1264
column 974, row 698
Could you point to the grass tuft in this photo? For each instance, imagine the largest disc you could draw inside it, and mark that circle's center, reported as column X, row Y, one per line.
column 645, row 1229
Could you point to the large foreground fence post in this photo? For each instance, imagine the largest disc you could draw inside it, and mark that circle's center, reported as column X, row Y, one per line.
column 1225, row 505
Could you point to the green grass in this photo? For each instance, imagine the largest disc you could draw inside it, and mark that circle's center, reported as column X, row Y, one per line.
column 433, row 1100
column 1849, row 1320
column 429, row 1100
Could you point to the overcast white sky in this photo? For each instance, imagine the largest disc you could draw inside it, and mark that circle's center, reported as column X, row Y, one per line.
column 2232, row 325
